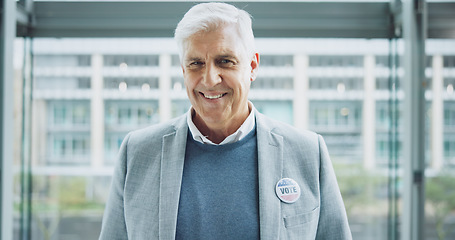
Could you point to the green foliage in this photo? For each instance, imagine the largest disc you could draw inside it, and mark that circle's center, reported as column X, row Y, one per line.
column 360, row 188
column 441, row 189
column 57, row 196
column 63, row 194
column 440, row 198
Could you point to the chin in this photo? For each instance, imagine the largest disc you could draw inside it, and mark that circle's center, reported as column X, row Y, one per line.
column 213, row 118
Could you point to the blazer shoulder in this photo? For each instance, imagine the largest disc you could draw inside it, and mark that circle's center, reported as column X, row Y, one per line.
column 154, row 133
column 287, row 131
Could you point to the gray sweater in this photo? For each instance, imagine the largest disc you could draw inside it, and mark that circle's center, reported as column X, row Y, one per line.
column 219, row 194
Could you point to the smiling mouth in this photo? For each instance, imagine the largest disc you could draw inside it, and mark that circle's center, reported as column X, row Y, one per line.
column 213, row 96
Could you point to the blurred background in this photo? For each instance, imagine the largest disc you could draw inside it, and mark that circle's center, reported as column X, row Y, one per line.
column 83, row 74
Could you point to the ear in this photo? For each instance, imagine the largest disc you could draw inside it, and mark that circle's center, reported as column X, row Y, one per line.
column 254, row 66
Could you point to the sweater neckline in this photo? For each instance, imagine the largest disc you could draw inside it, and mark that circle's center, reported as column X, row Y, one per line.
column 211, row 147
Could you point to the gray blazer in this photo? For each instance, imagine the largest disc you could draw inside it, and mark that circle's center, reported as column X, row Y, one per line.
column 144, row 197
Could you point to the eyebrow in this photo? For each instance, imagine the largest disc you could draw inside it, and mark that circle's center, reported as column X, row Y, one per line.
column 227, row 55
column 192, row 59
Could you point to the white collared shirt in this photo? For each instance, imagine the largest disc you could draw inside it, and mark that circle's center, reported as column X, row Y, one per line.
column 243, row 130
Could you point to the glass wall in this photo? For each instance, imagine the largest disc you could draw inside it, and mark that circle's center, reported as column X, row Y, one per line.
column 440, row 164
column 86, row 94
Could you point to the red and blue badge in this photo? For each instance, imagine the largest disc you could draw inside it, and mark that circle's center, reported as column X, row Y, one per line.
column 287, row 190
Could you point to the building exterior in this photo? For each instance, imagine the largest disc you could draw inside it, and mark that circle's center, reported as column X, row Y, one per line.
column 88, row 93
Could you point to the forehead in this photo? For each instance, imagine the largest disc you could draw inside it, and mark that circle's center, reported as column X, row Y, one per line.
column 222, row 41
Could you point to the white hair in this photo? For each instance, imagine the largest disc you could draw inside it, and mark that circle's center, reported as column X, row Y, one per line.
column 206, row 17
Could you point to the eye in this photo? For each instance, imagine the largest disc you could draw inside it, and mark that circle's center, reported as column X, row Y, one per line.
column 195, row 64
column 226, row 62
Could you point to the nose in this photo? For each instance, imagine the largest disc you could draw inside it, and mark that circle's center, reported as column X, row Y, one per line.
column 212, row 76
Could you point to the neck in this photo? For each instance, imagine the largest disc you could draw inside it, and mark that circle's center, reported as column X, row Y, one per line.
column 218, row 131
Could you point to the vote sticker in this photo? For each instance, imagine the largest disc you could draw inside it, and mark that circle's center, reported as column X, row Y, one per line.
column 287, row 190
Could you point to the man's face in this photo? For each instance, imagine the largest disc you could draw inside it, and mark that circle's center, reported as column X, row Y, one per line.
column 218, row 73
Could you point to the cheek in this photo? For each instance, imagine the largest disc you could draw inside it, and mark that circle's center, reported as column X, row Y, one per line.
column 239, row 79
column 246, row 83
column 189, row 81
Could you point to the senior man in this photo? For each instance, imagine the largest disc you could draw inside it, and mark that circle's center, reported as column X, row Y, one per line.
column 223, row 170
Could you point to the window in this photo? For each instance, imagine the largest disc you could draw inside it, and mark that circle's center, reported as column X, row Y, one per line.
column 86, row 101
column 123, row 61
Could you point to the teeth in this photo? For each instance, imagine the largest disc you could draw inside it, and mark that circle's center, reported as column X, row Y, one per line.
column 213, row 97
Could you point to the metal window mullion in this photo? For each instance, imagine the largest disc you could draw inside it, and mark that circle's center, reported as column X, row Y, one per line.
column 7, row 34
column 414, row 28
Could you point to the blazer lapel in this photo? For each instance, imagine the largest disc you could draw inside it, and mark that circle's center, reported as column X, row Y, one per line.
column 270, row 165
column 173, row 155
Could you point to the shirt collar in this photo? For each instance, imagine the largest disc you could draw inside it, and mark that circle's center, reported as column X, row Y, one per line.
column 243, row 130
